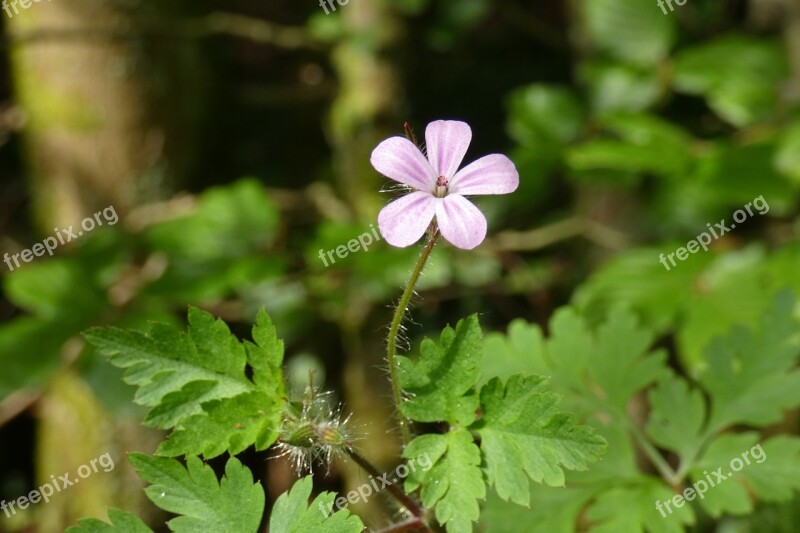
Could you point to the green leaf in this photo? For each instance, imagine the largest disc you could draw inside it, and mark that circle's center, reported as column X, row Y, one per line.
column 774, row 471
column 644, row 143
column 228, row 222
column 728, row 495
column 637, row 277
column 440, row 383
column 620, row 87
column 677, row 416
column 454, row 484
column 614, row 358
column 29, row 335
column 197, row 382
column 770, row 472
column 522, row 433
column 632, row 509
column 630, row 30
column 55, row 289
column 739, row 76
column 235, row 504
column 620, row 363
column 293, row 514
column 552, row 510
column 752, row 376
column 121, row 522
column 230, row 424
column 787, row 156
column 544, row 115
column 520, row 351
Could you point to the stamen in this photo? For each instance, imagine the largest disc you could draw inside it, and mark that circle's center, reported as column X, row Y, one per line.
column 441, row 187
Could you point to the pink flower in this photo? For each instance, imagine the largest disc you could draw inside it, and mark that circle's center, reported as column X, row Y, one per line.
column 439, row 186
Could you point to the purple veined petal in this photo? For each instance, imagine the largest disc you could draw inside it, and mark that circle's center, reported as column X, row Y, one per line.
column 460, row 221
column 405, row 220
column 447, row 142
column 493, row 174
column 399, row 159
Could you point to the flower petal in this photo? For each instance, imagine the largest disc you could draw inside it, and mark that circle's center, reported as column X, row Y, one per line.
column 447, row 142
column 399, row 159
column 405, row 220
column 493, row 174
column 461, row 223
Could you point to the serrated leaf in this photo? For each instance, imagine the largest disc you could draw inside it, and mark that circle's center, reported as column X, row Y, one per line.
column 614, row 358
column 620, row 363
column 518, row 352
column 677, row 416
column 523, row 435
column 234, row 504
column 751, row 376
column 121, row 522
column 230, row 424
column 454, row 483
column 440, row 383
column 293, row 514
column 197, row 382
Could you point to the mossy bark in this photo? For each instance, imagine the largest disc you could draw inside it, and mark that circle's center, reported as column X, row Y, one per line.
column 111, row 100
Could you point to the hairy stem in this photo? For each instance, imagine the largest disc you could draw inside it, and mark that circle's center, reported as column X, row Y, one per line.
column 398, row 494
column 394, row 329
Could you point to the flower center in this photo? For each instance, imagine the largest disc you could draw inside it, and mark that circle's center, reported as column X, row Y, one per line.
column 441, row 187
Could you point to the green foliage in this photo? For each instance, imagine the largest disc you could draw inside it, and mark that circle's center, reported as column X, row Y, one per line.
column 522, row 434
column 629, row 29
column 751, row 379
column 233, row 504
column 121, row 522
column 293, row 514
column 736, row 74
column 440, row 384
column 455, row 483
column 197, row 382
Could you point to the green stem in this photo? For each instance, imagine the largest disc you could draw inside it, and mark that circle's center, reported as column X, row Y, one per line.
column 666, row 471
column 391, row 346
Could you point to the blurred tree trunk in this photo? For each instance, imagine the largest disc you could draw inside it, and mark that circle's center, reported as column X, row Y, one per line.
column 109, row 106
